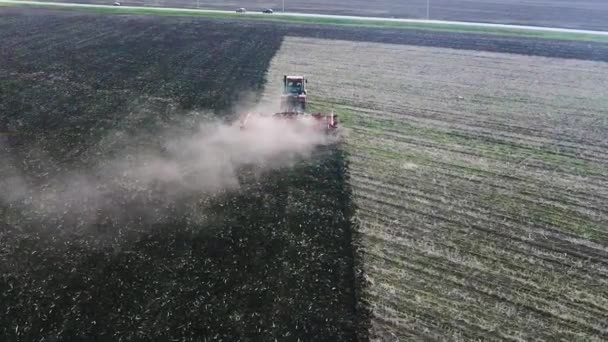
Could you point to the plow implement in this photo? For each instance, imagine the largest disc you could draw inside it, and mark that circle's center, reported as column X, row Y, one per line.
column 293, row 108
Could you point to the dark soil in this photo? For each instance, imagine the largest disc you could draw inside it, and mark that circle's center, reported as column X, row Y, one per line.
column 464, row 41
column 273, row 261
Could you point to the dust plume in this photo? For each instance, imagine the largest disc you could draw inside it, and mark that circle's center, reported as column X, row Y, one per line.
column 210, row 159
column 201, row 163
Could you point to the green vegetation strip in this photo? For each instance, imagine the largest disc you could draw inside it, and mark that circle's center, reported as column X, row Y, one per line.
column 369, row 23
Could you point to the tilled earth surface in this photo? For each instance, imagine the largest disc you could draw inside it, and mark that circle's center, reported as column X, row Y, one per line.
column 274, row 260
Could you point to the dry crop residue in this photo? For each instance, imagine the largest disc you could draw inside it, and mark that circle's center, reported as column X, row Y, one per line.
column 481, row 185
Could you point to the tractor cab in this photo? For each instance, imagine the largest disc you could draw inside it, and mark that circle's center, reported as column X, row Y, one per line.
column 294, row 94
column 294, row 85
column 293, row 107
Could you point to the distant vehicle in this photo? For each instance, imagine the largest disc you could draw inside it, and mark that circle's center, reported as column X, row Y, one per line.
column 117, row 3
column 268, row 10
column 241, row 10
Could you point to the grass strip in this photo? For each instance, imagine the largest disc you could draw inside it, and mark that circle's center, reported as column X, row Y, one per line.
column 312, row 20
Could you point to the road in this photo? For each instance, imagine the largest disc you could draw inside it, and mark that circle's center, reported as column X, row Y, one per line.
column 578, row 14
column 456, row 24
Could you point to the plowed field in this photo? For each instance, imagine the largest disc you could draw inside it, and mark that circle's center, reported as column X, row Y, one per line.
column 84, row 257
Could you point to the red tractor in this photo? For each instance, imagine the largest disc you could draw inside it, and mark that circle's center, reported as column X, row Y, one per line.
column 293, row 105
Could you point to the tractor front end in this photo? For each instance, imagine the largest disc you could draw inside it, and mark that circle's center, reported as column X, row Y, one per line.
column 293, row 106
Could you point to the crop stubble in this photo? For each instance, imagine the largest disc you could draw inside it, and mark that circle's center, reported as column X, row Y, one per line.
column 480, row 181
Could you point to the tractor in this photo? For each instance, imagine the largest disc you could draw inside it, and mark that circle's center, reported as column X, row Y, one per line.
column 293, row 105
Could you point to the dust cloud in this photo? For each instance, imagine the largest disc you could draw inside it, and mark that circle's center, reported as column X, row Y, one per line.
column 210, row 159
column 205, row 162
